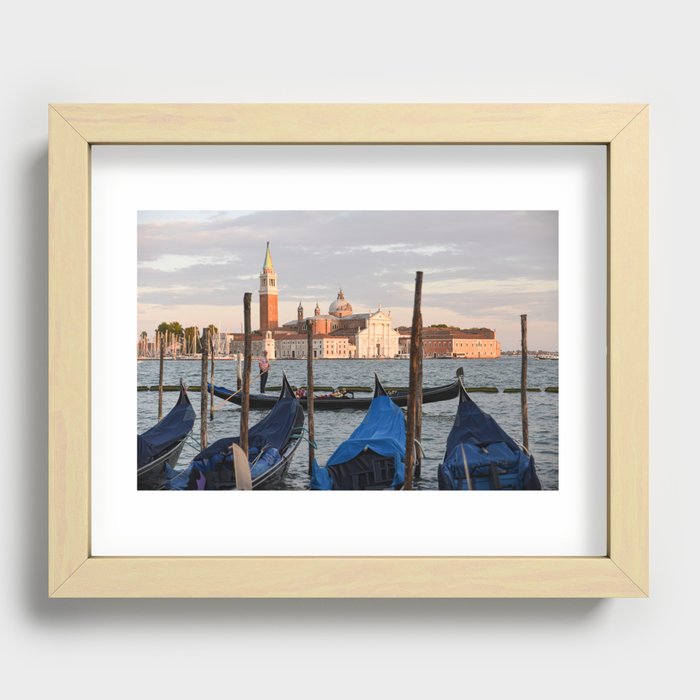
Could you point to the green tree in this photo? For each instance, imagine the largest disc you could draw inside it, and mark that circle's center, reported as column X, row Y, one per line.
column 173, row 327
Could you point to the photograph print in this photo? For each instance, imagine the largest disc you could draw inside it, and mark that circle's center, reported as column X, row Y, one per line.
column 347, row 350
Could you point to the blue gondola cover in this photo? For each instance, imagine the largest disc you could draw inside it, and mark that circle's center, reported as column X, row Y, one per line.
column 383, row 431
column 495, row 460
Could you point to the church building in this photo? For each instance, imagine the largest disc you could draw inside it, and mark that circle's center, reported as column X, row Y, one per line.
column 342, row 333
column 367, row 335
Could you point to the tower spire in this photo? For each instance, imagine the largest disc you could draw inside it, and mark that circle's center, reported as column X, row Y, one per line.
column 267, row 265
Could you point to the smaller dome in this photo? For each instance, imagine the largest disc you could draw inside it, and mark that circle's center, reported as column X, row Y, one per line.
column 340, row 307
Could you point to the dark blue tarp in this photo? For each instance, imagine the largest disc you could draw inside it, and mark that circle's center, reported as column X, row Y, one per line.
column 270, row 435
column 383, row 431
column 495, row 460
column 170, row 430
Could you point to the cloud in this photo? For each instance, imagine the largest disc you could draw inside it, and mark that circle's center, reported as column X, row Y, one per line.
column 521, row 285
column 174, row 263
column 402, row 248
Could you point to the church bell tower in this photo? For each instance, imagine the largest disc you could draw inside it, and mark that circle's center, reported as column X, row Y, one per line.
column 300, row 318
column 269, row 319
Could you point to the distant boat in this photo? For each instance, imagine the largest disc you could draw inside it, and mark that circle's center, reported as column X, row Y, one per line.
column 271, row 445
column 348, row 400
column 159, row 448
column 372, row 458
column 547, row 356
column 481, row 456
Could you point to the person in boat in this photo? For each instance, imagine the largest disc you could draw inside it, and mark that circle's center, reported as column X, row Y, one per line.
column 300, row 393
column 264, row 365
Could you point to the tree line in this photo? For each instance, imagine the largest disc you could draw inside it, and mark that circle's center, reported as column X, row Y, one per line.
column 172, row 333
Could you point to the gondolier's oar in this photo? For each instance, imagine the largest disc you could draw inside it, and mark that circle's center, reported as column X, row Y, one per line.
column 241, row 469
column 228, row 398
column 235, row 393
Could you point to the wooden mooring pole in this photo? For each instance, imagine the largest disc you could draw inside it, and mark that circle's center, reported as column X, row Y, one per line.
column 310, row 390
column 203, row 390
column 160, row 376
column 523, row 381
column 419, row 400
column 414, row 364
column 247, row 359
column 211, row 379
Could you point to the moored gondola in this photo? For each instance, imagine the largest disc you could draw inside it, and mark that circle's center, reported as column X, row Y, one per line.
column 481, row 456
column 271, row 445
column 159, row 448
column 372, row 458
column 334, row 403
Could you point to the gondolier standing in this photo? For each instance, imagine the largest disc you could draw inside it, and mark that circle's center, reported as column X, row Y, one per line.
column 264, row 365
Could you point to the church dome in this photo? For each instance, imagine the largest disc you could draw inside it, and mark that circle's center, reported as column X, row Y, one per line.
column 340, row 307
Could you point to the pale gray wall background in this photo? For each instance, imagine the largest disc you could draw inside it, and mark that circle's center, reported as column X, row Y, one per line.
column 362, row 51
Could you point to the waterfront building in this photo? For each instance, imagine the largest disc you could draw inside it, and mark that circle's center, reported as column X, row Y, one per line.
column 367, row 334
column 327, row 346
column 469, row 343
column 259, row 342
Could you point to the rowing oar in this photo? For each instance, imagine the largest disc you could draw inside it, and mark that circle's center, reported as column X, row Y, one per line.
column 466, row 466
column 235, row 393
column 241, row 469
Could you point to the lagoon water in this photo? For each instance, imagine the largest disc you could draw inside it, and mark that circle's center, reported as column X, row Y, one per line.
column 332, row 427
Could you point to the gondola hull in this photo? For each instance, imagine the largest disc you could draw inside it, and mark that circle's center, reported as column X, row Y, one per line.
column 159, row 448
column 263, row 401
column 153, row 475
column 481, row 456
column 272, row 444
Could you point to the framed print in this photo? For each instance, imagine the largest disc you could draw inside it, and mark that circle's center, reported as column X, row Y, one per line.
column 175, row 228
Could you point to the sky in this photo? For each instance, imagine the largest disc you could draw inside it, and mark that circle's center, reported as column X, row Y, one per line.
column 481, row 268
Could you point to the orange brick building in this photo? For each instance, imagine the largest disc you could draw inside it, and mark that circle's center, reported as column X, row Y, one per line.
column 470, row 343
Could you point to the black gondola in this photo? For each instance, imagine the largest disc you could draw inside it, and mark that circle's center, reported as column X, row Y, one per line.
column 372, row 458
column 333, row 403
column 481, row 456
column 271, row 445
column 159, row 448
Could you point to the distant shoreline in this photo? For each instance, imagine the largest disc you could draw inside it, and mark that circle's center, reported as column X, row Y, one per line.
column 316, row 359
column 333, row 359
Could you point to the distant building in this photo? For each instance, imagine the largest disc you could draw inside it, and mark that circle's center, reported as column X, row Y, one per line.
column 294, row 347
column 470, row 343
column 259, row 343
column 366, row 335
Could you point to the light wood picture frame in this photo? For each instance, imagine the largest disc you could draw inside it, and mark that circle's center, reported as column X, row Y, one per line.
column 74, row 572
